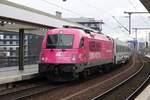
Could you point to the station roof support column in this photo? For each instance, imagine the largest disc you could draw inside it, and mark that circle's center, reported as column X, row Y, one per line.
column 21, row 49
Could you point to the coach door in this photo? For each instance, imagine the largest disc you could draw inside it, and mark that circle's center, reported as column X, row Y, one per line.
column 86, row 49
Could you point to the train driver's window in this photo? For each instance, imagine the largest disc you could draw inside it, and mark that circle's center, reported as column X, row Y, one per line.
column 82, row 43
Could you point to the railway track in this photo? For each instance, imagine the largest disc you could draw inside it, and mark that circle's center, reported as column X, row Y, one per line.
column 114, row 91
column 91, row 88
column 27, row 91
column 99, row 88
column 141, row 87
column 108, row 84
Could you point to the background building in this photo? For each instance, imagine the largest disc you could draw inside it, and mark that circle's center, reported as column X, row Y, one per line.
column 89, row 22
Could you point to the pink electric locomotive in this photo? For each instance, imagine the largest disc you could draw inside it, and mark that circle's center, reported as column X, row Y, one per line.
column 68, row 53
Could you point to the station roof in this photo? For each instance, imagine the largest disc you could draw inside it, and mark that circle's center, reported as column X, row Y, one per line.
column 146, row 3
column 14, row 16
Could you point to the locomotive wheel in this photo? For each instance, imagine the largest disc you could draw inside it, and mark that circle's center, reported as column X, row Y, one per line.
column 49, row 77
column 84, row 74
column 56, row 71
column 106, row 69
column 126, row 61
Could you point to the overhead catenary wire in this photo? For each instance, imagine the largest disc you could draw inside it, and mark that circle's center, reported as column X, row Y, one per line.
column 109, row 14
column 120, row 23
column 89, row 4
column 68, row 10
column 141, row 17
column 75, row 13
column 96, row 8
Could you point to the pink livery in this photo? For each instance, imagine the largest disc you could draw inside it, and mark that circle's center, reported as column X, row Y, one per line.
column 68, row 53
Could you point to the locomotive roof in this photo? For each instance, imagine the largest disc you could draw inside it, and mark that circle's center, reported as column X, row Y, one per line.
column 84, row 32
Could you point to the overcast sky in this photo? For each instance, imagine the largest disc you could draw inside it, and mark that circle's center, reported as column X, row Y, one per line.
column 99, row 9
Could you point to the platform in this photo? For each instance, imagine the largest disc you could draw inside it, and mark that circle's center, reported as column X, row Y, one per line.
column 145, row 95
column 12, row 74
column 147, row 56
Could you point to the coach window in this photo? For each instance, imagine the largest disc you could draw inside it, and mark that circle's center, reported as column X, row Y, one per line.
column 117, row 48
column 82, row 43
column 122, row 48
column 126, row 49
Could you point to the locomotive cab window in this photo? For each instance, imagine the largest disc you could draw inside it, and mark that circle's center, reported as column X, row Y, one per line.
column 59, row 41
column 81, row 43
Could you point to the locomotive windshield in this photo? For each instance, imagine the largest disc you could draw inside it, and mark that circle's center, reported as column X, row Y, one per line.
column 59, row 41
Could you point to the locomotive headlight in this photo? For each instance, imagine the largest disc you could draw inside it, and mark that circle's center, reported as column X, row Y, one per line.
column 74, row 57
column 42, row 58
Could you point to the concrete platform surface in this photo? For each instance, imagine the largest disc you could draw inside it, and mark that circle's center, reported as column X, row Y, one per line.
column 12, row 74
column 147, row 56
column 145, row 95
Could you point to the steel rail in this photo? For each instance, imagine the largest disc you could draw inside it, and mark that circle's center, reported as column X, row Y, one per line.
column 106, row 92
column 98, row 84
column 29, row 92
column 140, row 88
column 136, row 92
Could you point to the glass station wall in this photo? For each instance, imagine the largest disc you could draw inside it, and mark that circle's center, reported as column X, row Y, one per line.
column 9, row 48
